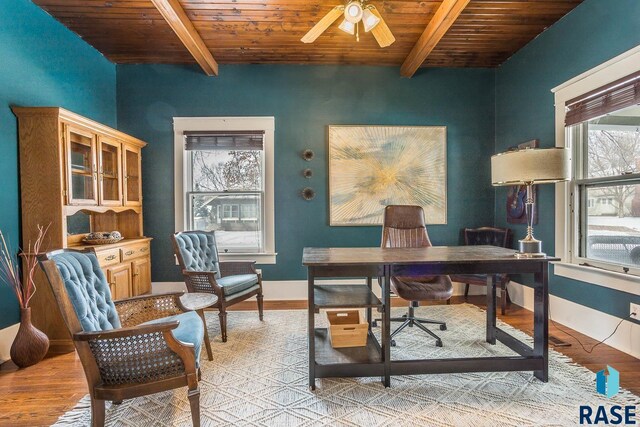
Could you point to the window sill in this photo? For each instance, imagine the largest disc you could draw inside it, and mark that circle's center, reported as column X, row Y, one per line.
column 608, row 279
column 261, row 258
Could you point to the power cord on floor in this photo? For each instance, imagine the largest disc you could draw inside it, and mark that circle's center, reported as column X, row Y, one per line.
column 632, row 315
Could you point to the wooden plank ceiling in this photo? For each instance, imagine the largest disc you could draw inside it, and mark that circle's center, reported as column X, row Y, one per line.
column 486, row 33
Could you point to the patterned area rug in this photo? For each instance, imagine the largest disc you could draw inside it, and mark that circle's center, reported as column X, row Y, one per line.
column 259, row 378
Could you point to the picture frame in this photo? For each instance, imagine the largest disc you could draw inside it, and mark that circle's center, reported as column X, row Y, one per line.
column 371, row 167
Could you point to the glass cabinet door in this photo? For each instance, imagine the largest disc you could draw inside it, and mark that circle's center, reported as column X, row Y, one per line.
column 82, row 174
column 132, row 178
column 110, row 173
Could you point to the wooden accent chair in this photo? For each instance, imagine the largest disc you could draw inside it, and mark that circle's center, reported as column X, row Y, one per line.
column 128, row 348
column 404, row 227
column 494, row 236
column 232, row 281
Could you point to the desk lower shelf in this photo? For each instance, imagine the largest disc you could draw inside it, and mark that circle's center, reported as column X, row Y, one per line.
column 345, row 296
column 346, row 362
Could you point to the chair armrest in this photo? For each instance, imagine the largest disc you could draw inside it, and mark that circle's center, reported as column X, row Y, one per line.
column 231, row 268
column 141, row 309
column 140, row 354
column 202, row 281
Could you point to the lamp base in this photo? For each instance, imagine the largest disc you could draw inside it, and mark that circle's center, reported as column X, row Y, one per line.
column 530, row 247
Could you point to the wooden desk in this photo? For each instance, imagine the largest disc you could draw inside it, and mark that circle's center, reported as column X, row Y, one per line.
column 375, row 358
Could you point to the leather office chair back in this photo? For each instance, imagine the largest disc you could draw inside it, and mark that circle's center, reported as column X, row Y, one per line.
column 404, row 227
column 493, row 236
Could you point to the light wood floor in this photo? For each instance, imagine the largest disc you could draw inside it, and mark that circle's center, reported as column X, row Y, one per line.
column 40, row 394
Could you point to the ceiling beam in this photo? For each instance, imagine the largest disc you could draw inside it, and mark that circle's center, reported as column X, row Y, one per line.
column 178, row 20
column 442, row 20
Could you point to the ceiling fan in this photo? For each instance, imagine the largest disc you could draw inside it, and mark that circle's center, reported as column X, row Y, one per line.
column 354, row 12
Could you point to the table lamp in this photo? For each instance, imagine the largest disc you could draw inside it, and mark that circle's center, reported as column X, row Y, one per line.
column 530, row 166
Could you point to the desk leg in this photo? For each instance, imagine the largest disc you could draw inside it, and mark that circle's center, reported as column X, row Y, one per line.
column 541, row 322
column 311, row 331
column 369, row 308
column 386, row 327
column 491, row 309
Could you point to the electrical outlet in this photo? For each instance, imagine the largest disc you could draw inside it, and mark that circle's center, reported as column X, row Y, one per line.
column 634, row 311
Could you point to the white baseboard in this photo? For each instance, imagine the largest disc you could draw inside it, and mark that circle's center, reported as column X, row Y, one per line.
column 7, row 335
column 590, row 322
column 297, row 289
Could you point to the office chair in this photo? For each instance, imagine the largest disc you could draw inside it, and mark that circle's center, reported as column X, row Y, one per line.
column 404, row 227
column 494, row 236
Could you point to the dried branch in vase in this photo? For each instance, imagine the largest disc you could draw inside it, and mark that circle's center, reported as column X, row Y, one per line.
column 10, row 269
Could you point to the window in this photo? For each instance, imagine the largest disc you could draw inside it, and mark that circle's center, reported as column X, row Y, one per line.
column 598, row 211
column 580, row 104
column 230, row 213
column 224, row 183
column 607, row 168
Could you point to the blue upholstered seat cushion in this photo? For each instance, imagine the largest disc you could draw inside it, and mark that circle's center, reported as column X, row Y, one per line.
column 190, row 330
column 199, row 251
column 238, row 284
column 88, row 291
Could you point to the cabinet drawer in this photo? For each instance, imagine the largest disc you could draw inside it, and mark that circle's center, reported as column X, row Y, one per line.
column 108, row 257
column 134, row 251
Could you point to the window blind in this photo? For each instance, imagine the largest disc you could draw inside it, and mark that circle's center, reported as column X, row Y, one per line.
column 224, row 140
column 615, row 96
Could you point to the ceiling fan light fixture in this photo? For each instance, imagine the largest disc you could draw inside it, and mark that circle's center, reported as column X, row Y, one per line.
column 353, row 12
column 369, row 20
column 348, row 27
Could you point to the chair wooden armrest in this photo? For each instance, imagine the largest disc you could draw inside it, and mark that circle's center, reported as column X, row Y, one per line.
column 141, row 309
column 202, row 281
column 231, row 268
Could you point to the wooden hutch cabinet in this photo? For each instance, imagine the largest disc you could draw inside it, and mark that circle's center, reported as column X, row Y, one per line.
column 81, row 176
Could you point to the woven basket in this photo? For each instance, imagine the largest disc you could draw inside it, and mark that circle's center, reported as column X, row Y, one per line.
column 101, row 241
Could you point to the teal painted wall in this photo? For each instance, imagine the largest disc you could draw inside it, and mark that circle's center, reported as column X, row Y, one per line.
column 304, row 100
column 42, row 63
column 593, row 33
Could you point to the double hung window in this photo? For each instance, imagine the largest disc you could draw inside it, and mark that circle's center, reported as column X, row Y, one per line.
column 603, row 128
column 225, row 187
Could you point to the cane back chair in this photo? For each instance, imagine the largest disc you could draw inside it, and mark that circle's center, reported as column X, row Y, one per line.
column 231, row 281
column 128, row 348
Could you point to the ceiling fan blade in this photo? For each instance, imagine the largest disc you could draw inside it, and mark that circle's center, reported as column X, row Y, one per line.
column 381, row 32
column 323, row 24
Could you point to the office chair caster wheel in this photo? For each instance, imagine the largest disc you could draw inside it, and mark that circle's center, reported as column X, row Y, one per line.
column 374, row 324
column 404, row 315
column 443, row 327
column 393, row 343
column 439, row 343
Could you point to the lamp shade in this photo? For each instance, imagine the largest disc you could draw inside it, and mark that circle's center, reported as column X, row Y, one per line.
column 369, row 20
column 531, row 166
column 347, row 27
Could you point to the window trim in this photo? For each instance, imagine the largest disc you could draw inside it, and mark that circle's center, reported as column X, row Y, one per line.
column 566, row 236
column 181, row 169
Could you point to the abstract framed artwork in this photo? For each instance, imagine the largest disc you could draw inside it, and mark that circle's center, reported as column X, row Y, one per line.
column 371, row 167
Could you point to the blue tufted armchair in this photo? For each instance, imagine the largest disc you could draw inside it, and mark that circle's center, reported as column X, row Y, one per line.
column 232, row 282
column 128, row 348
